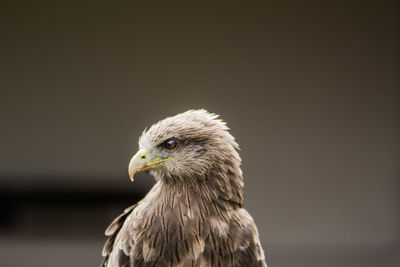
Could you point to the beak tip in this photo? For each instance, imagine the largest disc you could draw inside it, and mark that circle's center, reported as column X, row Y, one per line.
column 131, row 175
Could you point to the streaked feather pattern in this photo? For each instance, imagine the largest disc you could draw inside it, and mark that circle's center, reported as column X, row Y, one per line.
column 189, row 220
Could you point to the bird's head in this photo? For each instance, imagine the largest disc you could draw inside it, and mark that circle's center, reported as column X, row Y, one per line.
column 188, row 145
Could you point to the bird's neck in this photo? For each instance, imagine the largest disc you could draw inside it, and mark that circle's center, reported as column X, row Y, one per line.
column 221, row 189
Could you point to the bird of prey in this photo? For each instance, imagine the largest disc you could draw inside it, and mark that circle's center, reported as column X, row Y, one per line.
column 193, row 215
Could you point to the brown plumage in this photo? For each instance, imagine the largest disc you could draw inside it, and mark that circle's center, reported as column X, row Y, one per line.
column 194, row 215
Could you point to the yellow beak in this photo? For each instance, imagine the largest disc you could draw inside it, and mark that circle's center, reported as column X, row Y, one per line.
column 141, row 162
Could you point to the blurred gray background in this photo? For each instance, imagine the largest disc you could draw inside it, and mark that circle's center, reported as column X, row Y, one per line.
column 310, row 89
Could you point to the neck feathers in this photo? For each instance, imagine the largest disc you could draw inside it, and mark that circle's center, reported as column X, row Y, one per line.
column 220, row 189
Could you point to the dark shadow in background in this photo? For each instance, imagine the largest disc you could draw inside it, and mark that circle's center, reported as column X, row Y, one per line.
column 310, row 90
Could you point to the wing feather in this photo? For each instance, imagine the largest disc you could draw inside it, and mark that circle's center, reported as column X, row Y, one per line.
column 112, row 231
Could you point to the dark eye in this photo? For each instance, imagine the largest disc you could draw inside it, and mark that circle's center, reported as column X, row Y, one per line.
column 170, row 144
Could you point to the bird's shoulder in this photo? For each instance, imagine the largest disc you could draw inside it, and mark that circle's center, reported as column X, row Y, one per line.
column 247, row 249
column 177, row 237
column 112, row 232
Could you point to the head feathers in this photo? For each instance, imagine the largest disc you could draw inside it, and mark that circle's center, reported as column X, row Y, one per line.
column 204, row 145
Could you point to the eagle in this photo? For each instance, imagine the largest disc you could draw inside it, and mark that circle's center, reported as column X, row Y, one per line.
column 194, row 214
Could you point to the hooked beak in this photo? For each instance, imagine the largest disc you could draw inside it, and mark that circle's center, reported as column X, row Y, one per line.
column 141, row 162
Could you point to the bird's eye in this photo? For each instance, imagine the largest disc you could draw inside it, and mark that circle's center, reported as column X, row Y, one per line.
column 170, row 144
